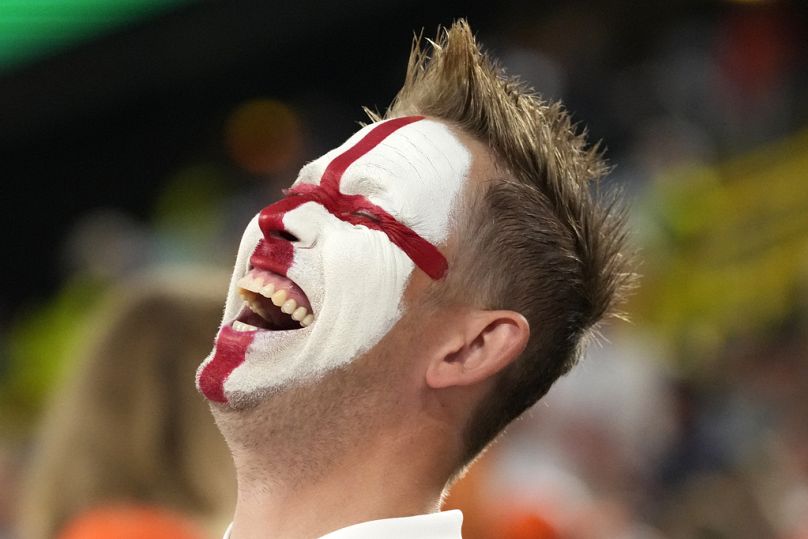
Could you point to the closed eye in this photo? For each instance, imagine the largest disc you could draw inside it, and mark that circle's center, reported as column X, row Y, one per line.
column 366, row 215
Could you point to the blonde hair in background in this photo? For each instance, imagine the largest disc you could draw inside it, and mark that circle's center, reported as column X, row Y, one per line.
column 128, row 425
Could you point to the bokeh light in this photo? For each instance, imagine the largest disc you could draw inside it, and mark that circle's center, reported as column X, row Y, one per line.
column 263, row 136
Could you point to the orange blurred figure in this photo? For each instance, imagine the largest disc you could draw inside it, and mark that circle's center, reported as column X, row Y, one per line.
column 526, row 525
column 130, row 522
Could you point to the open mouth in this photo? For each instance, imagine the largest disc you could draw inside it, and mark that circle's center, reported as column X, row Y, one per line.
column 271, row 303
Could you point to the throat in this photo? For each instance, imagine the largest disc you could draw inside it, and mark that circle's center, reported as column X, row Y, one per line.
column 314, row 504
column 298, row 453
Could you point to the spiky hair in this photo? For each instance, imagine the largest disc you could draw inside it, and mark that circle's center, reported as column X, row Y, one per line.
column 539, row 238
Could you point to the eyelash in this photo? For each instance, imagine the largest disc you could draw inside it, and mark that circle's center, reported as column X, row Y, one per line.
column 367, row 215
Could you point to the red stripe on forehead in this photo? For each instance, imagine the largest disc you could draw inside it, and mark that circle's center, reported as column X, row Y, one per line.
column 425, row 255
column 336, row 168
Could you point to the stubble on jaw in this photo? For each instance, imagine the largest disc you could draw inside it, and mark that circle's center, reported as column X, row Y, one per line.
column 297, row 433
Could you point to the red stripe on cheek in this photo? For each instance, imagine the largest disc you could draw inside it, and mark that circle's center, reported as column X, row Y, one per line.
column 272, row 253
column 231, row 348
column 423, row 254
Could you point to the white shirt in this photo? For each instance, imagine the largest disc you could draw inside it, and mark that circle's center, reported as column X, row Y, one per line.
column 443, row 525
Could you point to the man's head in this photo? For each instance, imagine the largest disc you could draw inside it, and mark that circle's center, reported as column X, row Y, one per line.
column 463, row 218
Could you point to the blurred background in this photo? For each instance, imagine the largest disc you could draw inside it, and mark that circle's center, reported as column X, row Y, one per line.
column 138, row 137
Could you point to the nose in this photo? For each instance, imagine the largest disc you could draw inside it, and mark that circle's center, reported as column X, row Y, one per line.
column 270, row 221
column 276, row 250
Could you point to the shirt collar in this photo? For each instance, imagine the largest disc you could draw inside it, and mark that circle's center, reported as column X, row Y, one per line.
column 443, row 525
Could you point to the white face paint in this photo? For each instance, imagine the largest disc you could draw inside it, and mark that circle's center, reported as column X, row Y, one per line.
column 353, row 276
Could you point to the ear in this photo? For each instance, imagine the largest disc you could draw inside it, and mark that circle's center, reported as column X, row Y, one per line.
column 481, row 345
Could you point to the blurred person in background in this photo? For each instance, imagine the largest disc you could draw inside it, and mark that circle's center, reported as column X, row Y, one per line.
column 127, row 447
column 579, row 464
column 373, row 343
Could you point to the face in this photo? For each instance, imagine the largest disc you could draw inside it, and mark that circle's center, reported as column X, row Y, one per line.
column 320, row 274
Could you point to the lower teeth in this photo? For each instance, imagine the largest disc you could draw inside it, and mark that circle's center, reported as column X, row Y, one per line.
column 241, row 326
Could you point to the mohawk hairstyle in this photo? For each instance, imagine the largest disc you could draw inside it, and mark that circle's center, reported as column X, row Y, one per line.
column 538, row 239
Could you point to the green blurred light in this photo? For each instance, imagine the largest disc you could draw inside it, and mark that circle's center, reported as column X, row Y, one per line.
column 32, row 29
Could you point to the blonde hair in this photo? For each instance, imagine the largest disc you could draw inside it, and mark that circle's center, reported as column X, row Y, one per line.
column 537, row 239
column 129, row 425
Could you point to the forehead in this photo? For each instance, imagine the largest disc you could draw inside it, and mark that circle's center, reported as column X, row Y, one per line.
column 415, row 173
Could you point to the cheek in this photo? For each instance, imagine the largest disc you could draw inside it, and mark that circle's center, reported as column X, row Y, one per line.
column 248, row 242
column 364, row 279
column 365, row 259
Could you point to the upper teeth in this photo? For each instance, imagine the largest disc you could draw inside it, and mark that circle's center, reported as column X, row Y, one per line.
column 289, row 306
column 279, row 298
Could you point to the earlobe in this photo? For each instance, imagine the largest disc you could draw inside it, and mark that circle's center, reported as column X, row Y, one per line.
column 488, row 342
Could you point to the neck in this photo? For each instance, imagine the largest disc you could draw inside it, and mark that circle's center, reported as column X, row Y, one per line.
column 316, row 506
column 340, row 465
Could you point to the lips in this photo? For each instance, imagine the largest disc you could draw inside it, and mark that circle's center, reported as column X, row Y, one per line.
column 260, row 313
column 272, row 302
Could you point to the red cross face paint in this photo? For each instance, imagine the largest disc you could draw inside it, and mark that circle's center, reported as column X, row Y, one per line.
column 320, row 274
